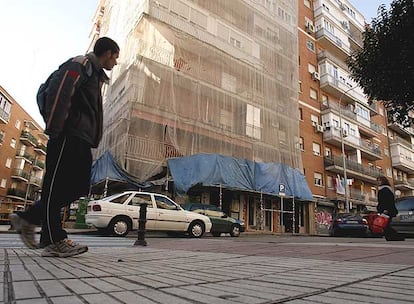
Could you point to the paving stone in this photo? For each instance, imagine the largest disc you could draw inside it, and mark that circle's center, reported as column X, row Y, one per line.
column 32, row 301
column 162, row 297
column 66, row 300
column 25, row 290
column 79, row 287
column 131, row 297
column 100, row 298
column 124, row 284
column 101, row 285
column 379, row 294
column 330, row 296
column 195, row 296
column 53, row 288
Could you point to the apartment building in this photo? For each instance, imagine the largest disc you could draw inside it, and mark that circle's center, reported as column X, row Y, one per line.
column 22, row 156
column 342, row 132
column 206, row 77
column 402, row 156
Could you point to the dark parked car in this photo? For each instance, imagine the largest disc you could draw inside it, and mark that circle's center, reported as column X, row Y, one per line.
column 349, row 224
column 221, row 222
column 404, row 221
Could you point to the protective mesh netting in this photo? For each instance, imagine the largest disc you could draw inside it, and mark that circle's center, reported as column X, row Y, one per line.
column 201, row 77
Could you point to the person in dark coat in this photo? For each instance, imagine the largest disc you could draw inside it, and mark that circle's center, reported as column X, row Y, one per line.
column 386, row 205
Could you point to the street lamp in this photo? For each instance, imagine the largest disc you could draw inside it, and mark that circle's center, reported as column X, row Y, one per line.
column 343, row 149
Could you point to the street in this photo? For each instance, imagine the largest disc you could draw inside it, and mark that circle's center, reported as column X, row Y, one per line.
column 248, row 269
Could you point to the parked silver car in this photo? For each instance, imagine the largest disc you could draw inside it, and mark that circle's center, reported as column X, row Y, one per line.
column 118, row 214
column 404, row 221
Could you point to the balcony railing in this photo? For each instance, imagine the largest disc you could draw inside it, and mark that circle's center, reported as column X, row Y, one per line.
column 403, row 182
column 35, row 181
column 353, row 166
column 39, row 164
column 28, row 137
column 25, row 155
column 339, row 87
column 16, row 192
column 19, row 173
column 40, row 148
column 403, row 142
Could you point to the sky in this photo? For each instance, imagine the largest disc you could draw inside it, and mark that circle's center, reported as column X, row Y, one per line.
column 37, row 36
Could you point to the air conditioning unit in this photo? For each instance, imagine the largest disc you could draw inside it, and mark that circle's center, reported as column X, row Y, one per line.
column 342, row 6
column 319, row 128
column 344, row 133
column 315, row 76
column 345, row 24
column 310, row 29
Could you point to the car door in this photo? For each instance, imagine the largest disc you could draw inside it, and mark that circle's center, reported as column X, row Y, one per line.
column 133, row 208
column 219, row 220
column 170, row 216
column 404, row 221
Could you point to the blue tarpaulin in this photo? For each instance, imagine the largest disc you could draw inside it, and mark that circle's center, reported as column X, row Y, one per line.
column 105, row 169
column 242, row 174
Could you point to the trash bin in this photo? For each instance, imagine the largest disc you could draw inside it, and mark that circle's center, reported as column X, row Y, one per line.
column 80, row 214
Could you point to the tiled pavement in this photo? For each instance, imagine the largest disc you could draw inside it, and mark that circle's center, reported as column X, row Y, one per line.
column 115, row 271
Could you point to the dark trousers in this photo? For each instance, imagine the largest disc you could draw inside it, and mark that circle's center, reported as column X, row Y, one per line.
column 67, row 177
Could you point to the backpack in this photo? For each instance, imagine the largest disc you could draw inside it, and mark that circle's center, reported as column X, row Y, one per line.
column 41, row 99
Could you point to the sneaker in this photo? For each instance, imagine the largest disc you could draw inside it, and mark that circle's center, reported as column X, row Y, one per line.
column 25, row 229
column 63, row 249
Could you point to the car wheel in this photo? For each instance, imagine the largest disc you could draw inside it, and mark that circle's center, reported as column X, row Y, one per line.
column 216, row 234
column 196, row 229
column 235, row 231
column 120, row 226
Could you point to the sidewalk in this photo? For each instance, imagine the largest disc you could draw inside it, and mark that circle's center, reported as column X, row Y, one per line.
column 209, row 270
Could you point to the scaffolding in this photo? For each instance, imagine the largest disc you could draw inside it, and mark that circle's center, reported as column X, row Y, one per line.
column 201, row 76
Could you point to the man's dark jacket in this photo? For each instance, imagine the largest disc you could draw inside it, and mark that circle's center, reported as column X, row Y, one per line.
column 71, row 101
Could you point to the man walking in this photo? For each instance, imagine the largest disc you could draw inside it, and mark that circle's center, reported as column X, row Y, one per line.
column 71, row 104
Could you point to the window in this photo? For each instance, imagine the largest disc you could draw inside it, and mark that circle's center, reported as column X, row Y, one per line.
column 329, row 182
column 313, row 94
column 386, row 152
column 300, row 114
column 314, row 120
column 310, row 45
column 324, row 99
column 17, row 124
column 328, row 152
column 140, row 198
column 301, row 144
column 300, row 86
column 307, row 3
column 8, row 162
column 165, row 203
column 235, row 42
column 311, row 68
column 318, row 179
column 316, row 148
column 13, row 143
column 120, row 199
column 3, row 183
column 389, row 172
column 253, row 122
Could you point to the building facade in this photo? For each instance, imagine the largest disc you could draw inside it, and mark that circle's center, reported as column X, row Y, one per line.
column 206, row 77
column 22, row 156
column 343, row 134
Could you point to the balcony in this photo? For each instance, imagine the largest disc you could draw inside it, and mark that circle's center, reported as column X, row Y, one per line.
column 334, row 86
column 353, row 169
column 40, row 149
column 38, row 165
column 20, row 174
column 35, row 181
column 332, row 135
column 402, row 153
column 365, row 126
column 403, row 185
column 27, row 137
column 27, row 156
column 333, row 43
column 14, row 193
column 4, row 116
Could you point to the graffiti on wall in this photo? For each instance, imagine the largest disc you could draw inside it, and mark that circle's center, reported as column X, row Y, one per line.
column 323, row 218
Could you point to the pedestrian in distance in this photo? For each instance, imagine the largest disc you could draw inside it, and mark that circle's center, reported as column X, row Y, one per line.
column 386, row 205
column 70, row 102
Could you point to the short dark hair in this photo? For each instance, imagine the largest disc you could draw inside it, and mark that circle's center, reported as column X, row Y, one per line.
column 383, row 180
column 104, row 44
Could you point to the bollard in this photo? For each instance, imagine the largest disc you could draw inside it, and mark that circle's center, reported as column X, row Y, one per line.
column 142, row 219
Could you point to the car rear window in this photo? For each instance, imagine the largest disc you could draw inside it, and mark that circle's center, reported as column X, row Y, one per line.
column 405, row 204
